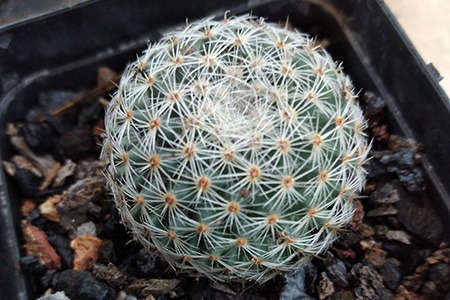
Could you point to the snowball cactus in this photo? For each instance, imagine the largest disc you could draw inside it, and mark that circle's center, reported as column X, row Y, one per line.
column 235, row 148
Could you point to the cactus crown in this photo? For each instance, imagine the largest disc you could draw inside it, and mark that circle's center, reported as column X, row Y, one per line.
column 235, row 148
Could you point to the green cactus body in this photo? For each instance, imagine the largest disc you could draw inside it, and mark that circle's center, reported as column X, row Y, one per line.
column 235, row 148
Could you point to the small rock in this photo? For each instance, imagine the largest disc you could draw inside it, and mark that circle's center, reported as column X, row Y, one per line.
column 368, row 283
column 311, row 279
column 385, row 194
column 358, row 216
column 342, row 295
column 77, row 143
column 396, row 143
column 441, row 255
column 402, row 293
column 154, row 287
column 426, row 224
column 87, row 250
column 87, row 228
column 31, row 265
column 349, row 241
column 336, row 271
column 36, row 243
column 107, row 253
column 366, row 231
column 67, row 170
column 391, row 275
column 27, row 206
column 146, row 264
column 295, row 284
column 48, row 208
column 89, row 168
column 375, row 256
column 367, row 244
column 125, row 296
column 55, row 296
column 404, row 164
column 325, row 287
column 374, row 104
column 430, row 290
column 440, row 275
column 78, row 195
column 110, row 274
column 375, row 169
column 383, row 210
column 414, row 282
column 40, row 136
column 81, row 285
column 399, row 235
column 28, row 182
column 380, row 131
column 380, row 231
column 61, row 244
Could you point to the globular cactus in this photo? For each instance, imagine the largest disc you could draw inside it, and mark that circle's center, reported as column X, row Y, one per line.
column 235, row 148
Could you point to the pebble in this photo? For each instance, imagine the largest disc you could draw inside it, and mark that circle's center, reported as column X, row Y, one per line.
column 154, row 287
column 110, row 274
column 28, row 181
column 440, row 274
column 399, row 235
column 391, row 275
column 40, row 136
column 295, row 284
column 87, row 250
column 403, row 163
column 87, row 228
column 385, row 194
column 368, row 284
column 31, row 265
column 426, row 224
column 66, row 171
column 78, row 195
column 402, row 293
column 36, row 243
column 125, row 296
column 439, row 255
column 48, row 208
column 414, row 282
column 325, row 287
column 375, row 169
column 311, row 279
column 430, row 290
column 49, row 101
column 336, row 271
column 383, row 210
column 107, row 253
column 81, row 285
column 77, row 143
column 61, row 244
column 342, row 295
column 376, row 256
column 55, row 296
column 146, row 264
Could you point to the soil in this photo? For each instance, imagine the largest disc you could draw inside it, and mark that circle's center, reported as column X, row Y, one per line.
column 75, row 246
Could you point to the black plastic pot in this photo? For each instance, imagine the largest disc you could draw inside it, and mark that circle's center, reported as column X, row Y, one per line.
column 63, row 51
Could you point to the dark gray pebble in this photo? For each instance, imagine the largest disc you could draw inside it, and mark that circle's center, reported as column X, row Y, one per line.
column 391, row 275
column 336, row 271
column 440, row 275
column 81, row 285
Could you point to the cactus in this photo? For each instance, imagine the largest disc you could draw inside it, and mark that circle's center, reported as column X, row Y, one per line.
column 235, row 148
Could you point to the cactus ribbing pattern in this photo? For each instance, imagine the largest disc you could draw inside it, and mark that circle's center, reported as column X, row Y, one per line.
column 235, row 148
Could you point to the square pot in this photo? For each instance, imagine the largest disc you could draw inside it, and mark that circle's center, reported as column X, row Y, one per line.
column 62, row 51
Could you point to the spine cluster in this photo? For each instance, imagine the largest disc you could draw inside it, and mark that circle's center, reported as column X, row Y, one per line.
column 235, row 148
